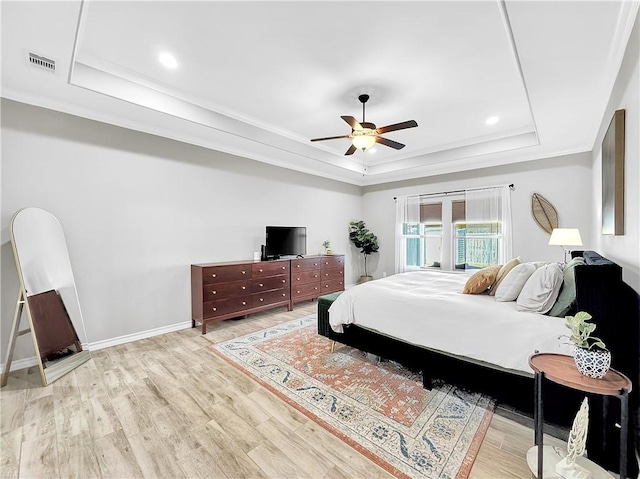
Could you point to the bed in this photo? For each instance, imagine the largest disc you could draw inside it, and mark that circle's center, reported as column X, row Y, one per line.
column 453, row 340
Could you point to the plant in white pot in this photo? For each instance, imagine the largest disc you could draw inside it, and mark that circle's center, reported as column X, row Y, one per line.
column 365, row 241
column 591, row 356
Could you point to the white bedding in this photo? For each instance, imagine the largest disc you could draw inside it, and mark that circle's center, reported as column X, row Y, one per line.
column 428, row 308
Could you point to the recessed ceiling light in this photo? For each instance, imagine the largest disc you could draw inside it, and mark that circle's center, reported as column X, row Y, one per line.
column 168, row 60
column 492, row 120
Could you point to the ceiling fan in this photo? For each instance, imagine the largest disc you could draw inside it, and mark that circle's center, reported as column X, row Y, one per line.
column 364, row 135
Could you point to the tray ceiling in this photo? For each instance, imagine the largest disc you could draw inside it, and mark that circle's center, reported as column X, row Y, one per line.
column 260, row 79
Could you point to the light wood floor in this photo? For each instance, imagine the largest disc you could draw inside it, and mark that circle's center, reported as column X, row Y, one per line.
column 166, row 407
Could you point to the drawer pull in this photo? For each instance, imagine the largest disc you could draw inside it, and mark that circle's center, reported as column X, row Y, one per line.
column 315, row 264
column 244, row 287
column 214, row 292
column 261, row 270
column 244, row 272
column 244, row 303
column 315, row 275
column 261, row 300
column 215, row 309
column 298, row 292
column 283, row 294
column 297, row 266
column 315, row 287
column 213, row 275
column 283, row 281
column 284, row 267
column 261, row 285
column 326, row 274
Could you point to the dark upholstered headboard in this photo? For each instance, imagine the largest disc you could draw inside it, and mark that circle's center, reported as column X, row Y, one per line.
column 615, row 308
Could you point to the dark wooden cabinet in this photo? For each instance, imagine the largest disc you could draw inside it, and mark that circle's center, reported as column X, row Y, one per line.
column 221, row 291
column 317, row 275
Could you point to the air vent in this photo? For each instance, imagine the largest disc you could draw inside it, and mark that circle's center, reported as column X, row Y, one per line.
column 42, row 62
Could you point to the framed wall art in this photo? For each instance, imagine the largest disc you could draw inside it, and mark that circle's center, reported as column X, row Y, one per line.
column 613, row 176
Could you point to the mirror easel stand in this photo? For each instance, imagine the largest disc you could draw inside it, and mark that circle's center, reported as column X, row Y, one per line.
column 21, row 303
column 47, row 295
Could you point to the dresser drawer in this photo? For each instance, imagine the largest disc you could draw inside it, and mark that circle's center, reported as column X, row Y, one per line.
column 215, row 291
column 266, row 268
column 303, row 277
column 332, row 262
column 269, row 283
column 270, row 297
column 303, row 290
column 305, row 264
column 333, row 273
column 222, row 274
column 211, row 309
column 332, row 286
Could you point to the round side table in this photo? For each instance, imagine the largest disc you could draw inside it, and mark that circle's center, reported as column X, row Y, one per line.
column 561, row 369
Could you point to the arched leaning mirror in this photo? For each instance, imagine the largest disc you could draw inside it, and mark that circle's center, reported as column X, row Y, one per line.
column 48, row 297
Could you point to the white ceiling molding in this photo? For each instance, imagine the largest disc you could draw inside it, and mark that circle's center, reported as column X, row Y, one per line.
column 259, row 79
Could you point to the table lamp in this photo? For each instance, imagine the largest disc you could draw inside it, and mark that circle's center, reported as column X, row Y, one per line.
column 565, row 237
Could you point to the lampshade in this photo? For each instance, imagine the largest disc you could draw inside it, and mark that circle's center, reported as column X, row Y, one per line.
column 565, row 237
column 363, row 141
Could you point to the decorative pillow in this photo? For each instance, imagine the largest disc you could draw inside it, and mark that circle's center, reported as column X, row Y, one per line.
column 508, row 266
column 567, row 295
column 512, row 284
column 541, row 289
column 481, row 280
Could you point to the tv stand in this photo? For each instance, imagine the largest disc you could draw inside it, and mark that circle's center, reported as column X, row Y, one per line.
column 222, row 291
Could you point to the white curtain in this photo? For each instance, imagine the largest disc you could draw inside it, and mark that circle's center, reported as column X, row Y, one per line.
column 492, row 205
column 407, row 211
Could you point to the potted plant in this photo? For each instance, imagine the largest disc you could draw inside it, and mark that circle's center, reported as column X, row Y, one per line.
column 365, row 241
column 326, row 244
column 591, row 356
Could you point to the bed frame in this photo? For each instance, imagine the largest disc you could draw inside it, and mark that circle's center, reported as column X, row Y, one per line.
column 615, row 308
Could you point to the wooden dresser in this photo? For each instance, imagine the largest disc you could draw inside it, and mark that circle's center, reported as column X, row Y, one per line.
column 316, row 275
column 221, row 291
column 227, row 290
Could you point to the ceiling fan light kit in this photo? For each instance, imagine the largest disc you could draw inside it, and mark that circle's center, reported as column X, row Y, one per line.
column 364, row 134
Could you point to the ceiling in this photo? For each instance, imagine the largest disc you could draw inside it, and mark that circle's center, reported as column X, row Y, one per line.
column 260, row 79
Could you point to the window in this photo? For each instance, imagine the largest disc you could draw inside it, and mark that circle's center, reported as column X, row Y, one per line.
column 467, row 230
column 476, row 244
column 423, row 243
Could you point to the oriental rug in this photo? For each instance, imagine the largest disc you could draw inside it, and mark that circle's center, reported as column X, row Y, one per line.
column 378, row 407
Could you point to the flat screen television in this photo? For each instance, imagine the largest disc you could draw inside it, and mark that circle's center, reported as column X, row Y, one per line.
column 285, row 241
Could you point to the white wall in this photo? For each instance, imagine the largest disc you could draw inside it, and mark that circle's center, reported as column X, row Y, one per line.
column 625, row 249
column 565, row 181
column 138, row 209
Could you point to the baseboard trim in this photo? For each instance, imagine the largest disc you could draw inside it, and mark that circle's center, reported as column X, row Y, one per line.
column 129, row 338
column 106, row 343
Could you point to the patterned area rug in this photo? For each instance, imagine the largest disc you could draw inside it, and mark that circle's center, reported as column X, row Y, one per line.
column 379, row 408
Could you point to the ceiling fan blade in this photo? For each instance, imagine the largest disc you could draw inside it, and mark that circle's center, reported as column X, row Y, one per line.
column 386, row 142
column 353, row 123
column 331, row 138
column 352, row 149
column 397, row 126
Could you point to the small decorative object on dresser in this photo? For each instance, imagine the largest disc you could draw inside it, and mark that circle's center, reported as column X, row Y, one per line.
column 326, row 244
column 591, row 356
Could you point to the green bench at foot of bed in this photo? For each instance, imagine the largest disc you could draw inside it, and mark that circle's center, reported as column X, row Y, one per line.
column 324, row 303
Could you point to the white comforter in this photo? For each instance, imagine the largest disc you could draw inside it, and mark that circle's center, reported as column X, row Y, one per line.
column 428, row 308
